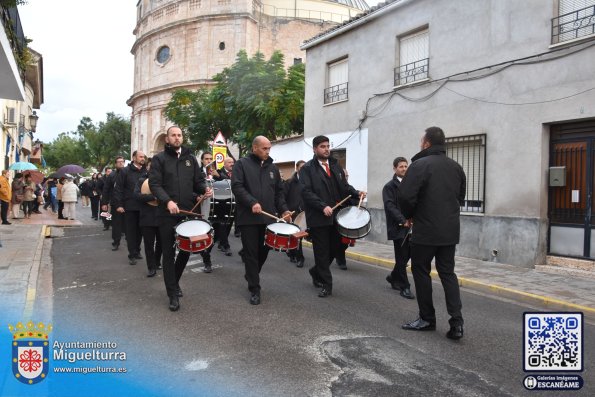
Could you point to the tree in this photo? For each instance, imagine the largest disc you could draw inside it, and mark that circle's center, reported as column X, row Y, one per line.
column 90, row 145
column 252, row 97
column 65, row 149
column 104, row 142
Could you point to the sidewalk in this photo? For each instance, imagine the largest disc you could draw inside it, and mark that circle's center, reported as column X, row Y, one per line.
column 21, row 253
column 570, row 293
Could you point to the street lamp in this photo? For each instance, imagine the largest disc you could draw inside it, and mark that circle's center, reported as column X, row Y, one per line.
column 33, row 121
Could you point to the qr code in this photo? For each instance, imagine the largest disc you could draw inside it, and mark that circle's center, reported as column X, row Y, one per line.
column 553, row 341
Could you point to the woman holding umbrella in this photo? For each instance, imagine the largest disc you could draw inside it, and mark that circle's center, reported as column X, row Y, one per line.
column 18, row 190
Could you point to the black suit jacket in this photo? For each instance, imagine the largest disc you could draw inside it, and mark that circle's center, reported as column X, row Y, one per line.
column 316, row 191
column 394, row 217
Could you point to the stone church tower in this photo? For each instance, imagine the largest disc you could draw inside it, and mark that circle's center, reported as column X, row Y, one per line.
column 184, row 43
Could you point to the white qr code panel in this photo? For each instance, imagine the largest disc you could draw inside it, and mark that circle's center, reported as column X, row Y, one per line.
column 553, row 341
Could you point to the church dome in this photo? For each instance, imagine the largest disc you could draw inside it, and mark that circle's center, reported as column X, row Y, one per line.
column 359, row 4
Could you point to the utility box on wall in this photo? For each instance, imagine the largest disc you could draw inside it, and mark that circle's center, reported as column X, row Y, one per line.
column 557, row 176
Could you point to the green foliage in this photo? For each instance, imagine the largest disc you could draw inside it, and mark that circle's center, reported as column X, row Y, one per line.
column 12, row 3
column 91, row 145
column 252, row 97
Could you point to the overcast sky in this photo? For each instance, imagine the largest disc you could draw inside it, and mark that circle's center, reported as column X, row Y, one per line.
column 87, row 64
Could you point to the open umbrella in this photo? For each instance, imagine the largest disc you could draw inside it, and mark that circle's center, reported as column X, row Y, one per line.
column 55, row 175
column 71, row 169
column 36, row 176
column 22, row 166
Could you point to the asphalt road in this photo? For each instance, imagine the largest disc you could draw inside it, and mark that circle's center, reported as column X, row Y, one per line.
column 294, row 343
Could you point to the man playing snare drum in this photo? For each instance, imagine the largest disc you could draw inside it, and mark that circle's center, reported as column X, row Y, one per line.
column 323, row 186
column 177, row 182
column 257, row 187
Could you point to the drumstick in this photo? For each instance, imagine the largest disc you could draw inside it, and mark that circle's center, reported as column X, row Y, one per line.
column 341, row 202
column 288, row 215
column 189, row 213
column 361, row 198
column 272, row 216
column 197, row 204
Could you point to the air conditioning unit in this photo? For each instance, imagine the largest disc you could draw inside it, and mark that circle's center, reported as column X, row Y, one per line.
column 11, row 116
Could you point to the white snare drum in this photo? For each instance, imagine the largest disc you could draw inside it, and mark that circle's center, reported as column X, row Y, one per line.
column 353, row 222
column 194, row 235
column 280, row 236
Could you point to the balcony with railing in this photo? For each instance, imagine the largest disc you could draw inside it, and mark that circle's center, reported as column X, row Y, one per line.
column 573, row 25
column 412, row 72
column 12, row 58
column 336, row 93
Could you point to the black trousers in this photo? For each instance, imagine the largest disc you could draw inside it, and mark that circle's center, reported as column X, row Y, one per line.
column 222, row 233
column 60, row 209
column 206, row 254
column 255, row 253
column 153, row 250
column 325, row 243
column 173, row 266
column 402, row 255
column 28, row 208
column 340, row 256
column 421, row 260
column 297, row 253
column 117, row 226
column 36, row 205
column 4, row 210
column 133, row 233
column 94, row 206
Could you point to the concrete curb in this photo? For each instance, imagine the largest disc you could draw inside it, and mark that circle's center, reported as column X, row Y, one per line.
column 478, row 285
column 33, row 275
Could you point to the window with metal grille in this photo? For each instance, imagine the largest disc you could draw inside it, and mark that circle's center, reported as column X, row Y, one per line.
column 576, row 18
column 338, row 81
column 414, row 58
column 470, row 152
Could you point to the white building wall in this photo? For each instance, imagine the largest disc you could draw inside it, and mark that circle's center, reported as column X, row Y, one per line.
column 356, row 149
column 472, row 35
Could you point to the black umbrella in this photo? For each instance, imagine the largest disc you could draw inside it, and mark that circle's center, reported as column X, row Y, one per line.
column 55, row 175
column 71, row 169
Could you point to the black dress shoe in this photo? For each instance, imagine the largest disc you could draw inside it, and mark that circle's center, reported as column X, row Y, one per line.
column 389, row 279
column 255, row 299
column 208, row 268
column 137, row 256
column 227, row 251
column 406, row 293
column 342, row 265
column 179, row 293
column 455, row 332
column 324, row 292
column 419, row 325
column 132, row 261
column 159, row 266
column 293, row 259
column 174, row 303
column 6, row 223
column 300, row 263
column 152, row 273
column 315, row 280
column 115, row 247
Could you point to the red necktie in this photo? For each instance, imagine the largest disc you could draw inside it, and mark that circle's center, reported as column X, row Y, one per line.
column 328, row 170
